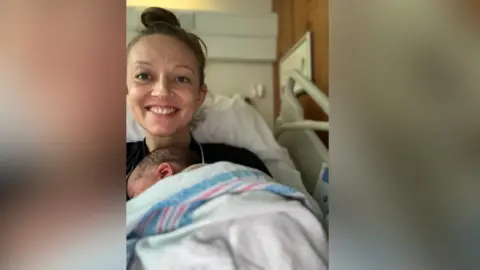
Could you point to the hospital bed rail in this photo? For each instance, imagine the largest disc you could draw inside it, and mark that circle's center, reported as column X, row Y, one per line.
column 297, row 84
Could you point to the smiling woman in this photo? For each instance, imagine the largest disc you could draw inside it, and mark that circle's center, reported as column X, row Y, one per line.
column 166, row 87
column 165, row 68
column 167, row 62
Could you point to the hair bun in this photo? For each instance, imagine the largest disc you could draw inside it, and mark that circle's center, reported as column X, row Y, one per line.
column 154, row 15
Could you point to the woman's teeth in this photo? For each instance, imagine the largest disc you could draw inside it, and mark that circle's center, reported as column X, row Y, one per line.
column 162, row 111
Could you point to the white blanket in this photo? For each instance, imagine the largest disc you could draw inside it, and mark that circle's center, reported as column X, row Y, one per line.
column 223, row 216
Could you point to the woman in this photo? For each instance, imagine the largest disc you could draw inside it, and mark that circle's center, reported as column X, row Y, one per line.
column 165, row 79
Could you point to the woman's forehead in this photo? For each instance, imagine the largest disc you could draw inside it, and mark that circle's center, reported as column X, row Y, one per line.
column 161, row 50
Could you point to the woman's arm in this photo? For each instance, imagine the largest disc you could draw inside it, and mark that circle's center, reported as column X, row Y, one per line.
column 215, row 152
column 136, row 151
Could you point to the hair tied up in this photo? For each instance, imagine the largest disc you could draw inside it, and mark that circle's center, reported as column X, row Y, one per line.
column 155, row 15
column 163, row 22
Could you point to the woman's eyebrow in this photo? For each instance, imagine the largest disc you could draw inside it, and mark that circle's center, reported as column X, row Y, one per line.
column 139, row 62
column 186, row 67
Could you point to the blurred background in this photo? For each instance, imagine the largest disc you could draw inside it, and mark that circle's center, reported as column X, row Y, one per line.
column 405, row 134
column 402, row 76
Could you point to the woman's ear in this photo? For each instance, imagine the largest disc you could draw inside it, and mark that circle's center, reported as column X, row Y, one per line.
column 164, row 170
column 203, row 93
column 127, row 96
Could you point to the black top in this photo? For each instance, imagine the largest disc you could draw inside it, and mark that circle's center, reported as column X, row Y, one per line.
column 213, row 152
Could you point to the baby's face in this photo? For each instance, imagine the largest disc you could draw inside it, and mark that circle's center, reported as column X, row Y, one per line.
column 152, row 175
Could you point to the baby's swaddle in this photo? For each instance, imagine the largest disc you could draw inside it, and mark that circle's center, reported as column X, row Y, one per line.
column 178, row 206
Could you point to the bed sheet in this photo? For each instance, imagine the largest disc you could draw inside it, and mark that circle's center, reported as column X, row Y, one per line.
column 221, row 229
column 234, row 122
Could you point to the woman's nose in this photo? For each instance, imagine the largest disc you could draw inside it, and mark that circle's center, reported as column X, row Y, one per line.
column 161, row 87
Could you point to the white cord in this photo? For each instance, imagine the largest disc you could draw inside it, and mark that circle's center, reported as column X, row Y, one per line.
column 201, row 151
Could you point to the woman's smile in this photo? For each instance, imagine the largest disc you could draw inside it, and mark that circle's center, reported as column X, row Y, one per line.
column 162, row 110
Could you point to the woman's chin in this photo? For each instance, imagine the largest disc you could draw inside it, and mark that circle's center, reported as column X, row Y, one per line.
column 162, row 130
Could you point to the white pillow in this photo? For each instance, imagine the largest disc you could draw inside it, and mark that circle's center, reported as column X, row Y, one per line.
column 135, row 132
column 234, row 122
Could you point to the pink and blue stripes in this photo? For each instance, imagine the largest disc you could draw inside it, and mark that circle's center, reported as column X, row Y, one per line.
column 177, row 210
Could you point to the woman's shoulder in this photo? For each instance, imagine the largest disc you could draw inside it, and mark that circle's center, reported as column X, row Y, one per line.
column 215, row 152
column 134, row 145
column 226, row 147
column 135, row 154
column 134, row 149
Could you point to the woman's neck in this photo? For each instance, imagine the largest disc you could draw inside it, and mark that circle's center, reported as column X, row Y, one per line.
column 181, row 139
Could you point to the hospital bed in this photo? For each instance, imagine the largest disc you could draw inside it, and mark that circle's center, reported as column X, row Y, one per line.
column 292, row 131
column 297, row 134
column 293, row 153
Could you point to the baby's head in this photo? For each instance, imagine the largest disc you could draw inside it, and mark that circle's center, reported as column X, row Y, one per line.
column 157, row 165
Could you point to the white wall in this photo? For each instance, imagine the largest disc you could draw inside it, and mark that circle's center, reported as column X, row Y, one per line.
column 228, row 6
column 230, row 78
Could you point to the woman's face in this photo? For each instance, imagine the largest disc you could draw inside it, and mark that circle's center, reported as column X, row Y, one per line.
column 163, row 82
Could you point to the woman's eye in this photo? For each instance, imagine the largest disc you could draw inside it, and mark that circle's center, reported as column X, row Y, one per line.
column 143, row 76
column 182, row 79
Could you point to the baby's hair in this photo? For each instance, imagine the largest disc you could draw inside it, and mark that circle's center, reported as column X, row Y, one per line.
column 180, row 156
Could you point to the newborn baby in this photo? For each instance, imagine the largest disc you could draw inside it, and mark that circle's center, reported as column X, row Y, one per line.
column 159, row 164
column 212, row 209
